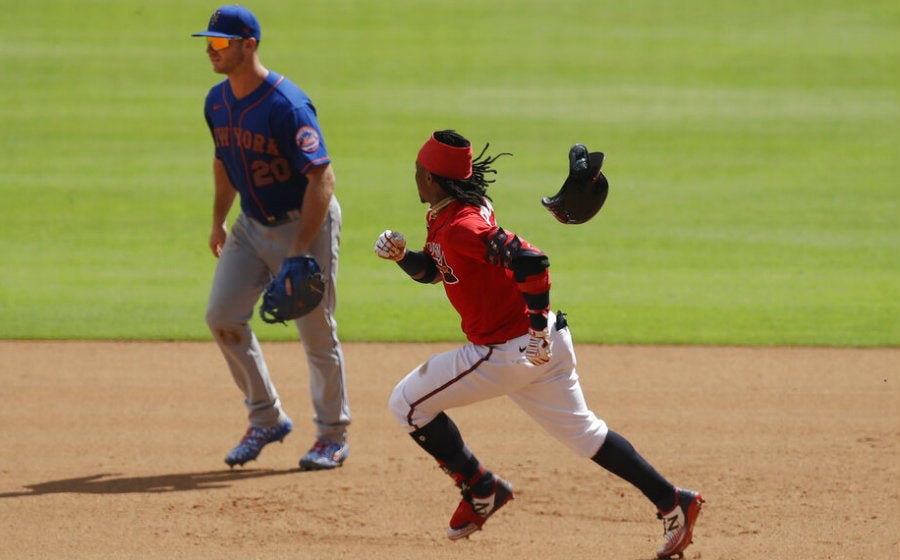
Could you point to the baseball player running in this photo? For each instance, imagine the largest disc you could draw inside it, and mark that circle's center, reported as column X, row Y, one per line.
column 269, row 149
column 499, row 284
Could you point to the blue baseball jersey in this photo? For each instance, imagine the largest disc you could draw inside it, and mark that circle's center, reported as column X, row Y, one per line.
column 268, row 141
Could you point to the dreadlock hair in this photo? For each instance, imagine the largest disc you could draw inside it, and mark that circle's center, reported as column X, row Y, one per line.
column 474, row 189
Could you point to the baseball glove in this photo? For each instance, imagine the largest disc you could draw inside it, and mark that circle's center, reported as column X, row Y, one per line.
column 297, row 290
column 584, row 191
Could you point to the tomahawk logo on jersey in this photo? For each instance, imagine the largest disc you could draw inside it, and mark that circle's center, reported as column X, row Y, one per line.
column 434, row 249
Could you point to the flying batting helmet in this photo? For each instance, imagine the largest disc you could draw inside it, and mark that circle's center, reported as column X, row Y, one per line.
column 584, row 191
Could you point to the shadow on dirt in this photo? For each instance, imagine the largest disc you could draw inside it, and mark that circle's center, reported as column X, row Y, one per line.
column 115, row 484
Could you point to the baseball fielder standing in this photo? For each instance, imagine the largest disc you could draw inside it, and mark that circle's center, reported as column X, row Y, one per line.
column 500, row 285
column 270, row 150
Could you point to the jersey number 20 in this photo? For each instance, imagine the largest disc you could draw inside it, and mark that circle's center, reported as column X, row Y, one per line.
column 266, row 173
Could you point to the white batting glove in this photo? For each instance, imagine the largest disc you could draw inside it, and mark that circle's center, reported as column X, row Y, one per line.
column 391, row 245
column 539, row 349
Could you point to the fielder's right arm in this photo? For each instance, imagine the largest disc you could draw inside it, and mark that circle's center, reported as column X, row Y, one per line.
column 222, row 201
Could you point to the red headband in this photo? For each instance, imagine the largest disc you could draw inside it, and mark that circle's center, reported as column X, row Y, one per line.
column 445, row 160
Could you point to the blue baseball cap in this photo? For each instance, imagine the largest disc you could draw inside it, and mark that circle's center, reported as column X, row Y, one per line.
column 232, row 22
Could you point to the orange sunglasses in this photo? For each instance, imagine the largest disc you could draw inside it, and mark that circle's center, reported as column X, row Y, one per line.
column 219, row 43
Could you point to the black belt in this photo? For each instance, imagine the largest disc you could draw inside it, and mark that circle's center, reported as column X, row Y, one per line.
column 280, row 219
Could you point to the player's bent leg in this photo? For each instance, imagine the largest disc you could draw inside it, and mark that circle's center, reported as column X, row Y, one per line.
column 448, row 380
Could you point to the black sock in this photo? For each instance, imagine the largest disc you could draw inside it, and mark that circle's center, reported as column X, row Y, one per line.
column 619, row 457
column 442, row 440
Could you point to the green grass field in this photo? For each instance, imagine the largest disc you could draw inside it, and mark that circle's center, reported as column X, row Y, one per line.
column 752, row 151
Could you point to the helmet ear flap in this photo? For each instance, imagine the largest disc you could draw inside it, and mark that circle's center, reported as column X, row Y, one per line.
column 584, row 190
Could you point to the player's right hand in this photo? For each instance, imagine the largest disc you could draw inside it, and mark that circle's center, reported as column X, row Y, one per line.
column 391, row 245
column 217, row 240
column 540, row 348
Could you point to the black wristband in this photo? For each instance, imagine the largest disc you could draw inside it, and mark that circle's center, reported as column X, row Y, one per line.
column 419, row 266
column 538, row 302
column 537, row 320
column 538, row 308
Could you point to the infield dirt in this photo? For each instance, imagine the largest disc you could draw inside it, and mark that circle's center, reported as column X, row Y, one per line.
column 114, row 450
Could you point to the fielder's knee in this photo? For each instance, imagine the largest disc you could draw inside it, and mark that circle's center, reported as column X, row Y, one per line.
column 223, row 330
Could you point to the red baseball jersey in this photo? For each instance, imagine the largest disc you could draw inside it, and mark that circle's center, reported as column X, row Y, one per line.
column 486, row 296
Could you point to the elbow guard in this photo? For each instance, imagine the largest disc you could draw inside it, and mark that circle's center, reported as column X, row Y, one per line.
column 508, row 250
column 528, row 263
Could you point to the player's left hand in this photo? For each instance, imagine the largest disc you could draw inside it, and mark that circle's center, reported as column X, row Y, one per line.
column 297, row 290
column 540, row 348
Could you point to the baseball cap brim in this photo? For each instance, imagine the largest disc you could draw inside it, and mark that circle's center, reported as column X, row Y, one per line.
column 215, row 34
